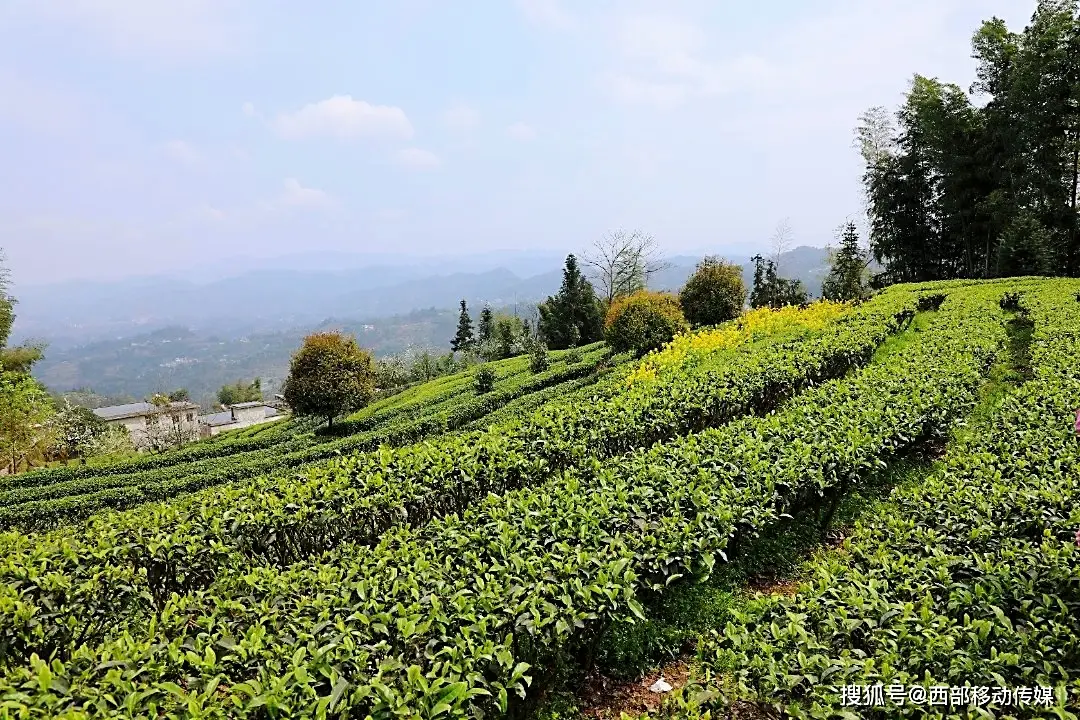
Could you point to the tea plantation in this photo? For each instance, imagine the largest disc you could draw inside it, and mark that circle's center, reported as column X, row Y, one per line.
column 463, row 555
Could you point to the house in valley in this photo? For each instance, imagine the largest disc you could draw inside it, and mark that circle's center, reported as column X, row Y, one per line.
column 240, row 415
column 150, row 424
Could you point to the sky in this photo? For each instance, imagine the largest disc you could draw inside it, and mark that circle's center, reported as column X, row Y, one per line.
column 149, row 136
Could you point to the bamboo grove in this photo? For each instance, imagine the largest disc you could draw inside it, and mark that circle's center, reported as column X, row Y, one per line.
column 981, row 181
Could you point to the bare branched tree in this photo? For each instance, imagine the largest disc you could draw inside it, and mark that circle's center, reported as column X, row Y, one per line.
column 875, row 139
column 781, row 241
column 874, row 136
column 622, row 262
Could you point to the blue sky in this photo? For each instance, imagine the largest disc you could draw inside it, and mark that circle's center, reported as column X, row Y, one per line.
column 145, row 136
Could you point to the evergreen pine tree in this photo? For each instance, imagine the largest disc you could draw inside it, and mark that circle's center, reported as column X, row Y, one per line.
column 572, row 315
column 486, row 325
column 772, row 291
column 845, row 279
column 463, row 340
column 759, row 293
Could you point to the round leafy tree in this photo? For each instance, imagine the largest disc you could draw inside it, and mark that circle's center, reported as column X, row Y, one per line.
column 484, row 379
column 643, row 321
column 539, row 361
column 329, row 375
column 715, row 293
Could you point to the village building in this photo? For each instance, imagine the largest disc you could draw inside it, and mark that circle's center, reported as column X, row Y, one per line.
column 176, row 422
column 240, row 415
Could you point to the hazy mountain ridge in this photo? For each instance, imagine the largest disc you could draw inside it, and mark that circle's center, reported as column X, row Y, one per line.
column 204, row 352
column 266, row 299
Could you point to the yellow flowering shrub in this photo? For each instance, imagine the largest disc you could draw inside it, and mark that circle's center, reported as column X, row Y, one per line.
column 753, row 325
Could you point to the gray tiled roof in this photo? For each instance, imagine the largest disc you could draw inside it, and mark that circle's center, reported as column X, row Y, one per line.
column 118, row 412
column 221, row 418
column 242, row 405
column 114, row 412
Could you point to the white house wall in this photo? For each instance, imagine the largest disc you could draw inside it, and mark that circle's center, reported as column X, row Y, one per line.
column 136, row 426
column 218, row 429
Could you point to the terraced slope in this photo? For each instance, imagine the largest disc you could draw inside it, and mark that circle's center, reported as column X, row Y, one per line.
column 426, row 582
column 968, row 580
column 73, row 585
column 464, row 576
column 42, row 499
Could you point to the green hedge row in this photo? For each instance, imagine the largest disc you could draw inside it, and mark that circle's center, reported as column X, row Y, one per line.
column 41, row 507
column 290, row 435
column 121, row 565
column 972, row 580
column 453, row 619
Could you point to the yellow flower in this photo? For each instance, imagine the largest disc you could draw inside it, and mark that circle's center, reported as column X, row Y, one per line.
column 752, row 326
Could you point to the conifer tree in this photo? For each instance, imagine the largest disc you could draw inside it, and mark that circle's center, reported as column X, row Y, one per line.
column 772, row 291
column 573, row 315
column 463, row 340
column 486, row 325
column 845, row 280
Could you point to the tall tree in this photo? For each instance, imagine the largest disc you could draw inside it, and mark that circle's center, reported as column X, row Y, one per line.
column 781, row 241
column 486, row 325
column 28, row 425
column 573, row 315
column 923, row 195
column 846, row 279
column 509, row 336
column 463, row 340
column 622, row 262
column 770, row 290
column 964, row 189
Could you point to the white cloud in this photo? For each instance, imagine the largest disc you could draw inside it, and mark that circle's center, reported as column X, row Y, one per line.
column 41, row 108
column 249, row 109
column 547, row 13
column 209, row 212
column 188, row 30
column 390, row 215
column 664, row 60
column 343, row 118
column 418, row 159
column 521, row 131
column 296, row 195
column 461, row 117
column 183, row 153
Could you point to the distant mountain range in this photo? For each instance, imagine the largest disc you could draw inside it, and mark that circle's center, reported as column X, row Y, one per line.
column 144, row 335
column 266, row 299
